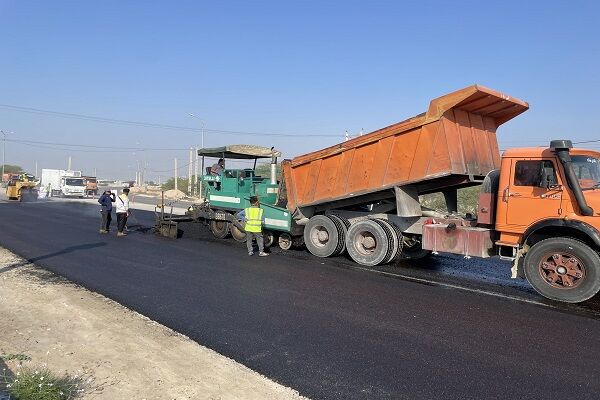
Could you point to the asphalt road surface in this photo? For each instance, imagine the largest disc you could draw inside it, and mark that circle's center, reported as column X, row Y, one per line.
column 439, row 329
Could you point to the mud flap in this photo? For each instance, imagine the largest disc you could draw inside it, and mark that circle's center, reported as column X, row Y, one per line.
column 517, row 268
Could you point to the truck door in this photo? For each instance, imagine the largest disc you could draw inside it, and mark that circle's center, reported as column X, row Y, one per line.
column 528, row 202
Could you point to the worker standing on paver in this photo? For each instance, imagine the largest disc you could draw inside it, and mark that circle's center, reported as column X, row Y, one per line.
column 122, row 211
column 218, row 167
column 106, row 201
column 253, row 216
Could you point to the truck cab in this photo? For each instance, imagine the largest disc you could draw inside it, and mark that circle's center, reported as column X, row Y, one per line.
column 548, row 213
column 72, row 186
column 91, row 185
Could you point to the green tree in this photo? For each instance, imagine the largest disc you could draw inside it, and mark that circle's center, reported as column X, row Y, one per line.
column 468, row 199
column 264, row 170
column 182, row 184
column 12, row 169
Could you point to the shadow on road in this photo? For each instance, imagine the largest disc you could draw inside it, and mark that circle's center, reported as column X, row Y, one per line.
column 6, row 375
column 66, row 250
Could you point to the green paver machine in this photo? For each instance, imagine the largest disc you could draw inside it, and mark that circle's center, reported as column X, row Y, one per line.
column 229, row 191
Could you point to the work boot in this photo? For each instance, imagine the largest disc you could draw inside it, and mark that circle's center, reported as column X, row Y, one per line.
column 263, row 254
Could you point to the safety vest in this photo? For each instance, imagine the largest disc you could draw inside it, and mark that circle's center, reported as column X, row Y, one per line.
column 253, row 219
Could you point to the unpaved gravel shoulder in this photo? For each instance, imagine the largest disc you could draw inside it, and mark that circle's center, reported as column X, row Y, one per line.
column 123, row 354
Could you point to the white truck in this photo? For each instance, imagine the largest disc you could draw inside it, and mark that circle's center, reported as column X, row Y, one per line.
column 59, row 182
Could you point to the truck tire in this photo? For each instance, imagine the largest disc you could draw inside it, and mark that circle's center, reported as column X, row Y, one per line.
column 563, row 269
column 285, row 241
column 342, row 225
column 237, row 234
column 369, row 242
column 321, row 236
column 269, row 238
column 220, row 229
column 395, row 236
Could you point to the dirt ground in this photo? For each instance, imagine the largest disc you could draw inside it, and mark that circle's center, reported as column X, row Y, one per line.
column 121, row 354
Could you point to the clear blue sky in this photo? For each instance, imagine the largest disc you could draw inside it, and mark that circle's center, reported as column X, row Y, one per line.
column 288, row 67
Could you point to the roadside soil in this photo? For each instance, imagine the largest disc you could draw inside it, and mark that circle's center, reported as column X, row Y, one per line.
column 119, row 354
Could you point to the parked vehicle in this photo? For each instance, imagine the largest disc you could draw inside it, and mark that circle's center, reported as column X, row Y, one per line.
column 91, row 185
column 63, row 183
column 22, row 187
column 538, row 207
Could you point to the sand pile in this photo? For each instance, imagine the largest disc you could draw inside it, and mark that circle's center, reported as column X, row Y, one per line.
column 174, row 194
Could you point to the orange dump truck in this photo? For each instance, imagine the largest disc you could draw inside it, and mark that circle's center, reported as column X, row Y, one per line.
column 91, row 185
column 538, row 207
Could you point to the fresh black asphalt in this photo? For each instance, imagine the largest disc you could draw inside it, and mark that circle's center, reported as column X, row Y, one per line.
column 329, row 332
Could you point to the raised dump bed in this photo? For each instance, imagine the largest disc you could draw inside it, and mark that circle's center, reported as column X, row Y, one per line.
column 452, row 145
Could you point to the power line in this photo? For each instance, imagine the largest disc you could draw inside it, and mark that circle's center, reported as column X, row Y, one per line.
column 49, row 147
column 40, row 111
column 168, row 170
column 587, row 141
column 119, row 148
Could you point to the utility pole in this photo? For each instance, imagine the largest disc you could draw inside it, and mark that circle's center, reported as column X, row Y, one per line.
column 175, row 173
column 144, row 172
column 201, row 128
column 190, row 172
column 137, row 174
column 196, row 174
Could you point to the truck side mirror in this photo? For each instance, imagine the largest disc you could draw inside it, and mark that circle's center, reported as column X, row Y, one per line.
column 548, row 179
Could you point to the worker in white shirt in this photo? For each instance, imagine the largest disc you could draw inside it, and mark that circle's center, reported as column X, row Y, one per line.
column 122, row 204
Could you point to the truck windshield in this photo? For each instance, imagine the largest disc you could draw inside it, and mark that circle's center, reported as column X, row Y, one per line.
column 74, row 182
column 587, row 169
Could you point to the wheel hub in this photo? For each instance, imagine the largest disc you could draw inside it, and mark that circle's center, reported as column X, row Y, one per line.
column 368, row 243
column 323, row 235
column 319, row 236
column 365, row 242
column 562, row 270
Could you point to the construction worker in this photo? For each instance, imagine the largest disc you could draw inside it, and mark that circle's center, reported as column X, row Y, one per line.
column 217, row 169
column 106, row 201
column 122, row 211
column 253, row 216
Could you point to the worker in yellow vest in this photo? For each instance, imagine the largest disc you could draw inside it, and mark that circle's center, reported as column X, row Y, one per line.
column 253, row 216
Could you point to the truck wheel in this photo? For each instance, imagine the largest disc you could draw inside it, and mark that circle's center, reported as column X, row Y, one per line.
column 285, row 241
column 220, row 229
column 237, row 234
column 269, row 238
column 321, row 236
column 342, row 225
column 395, row 237
column 563, row 269
column 368, row 242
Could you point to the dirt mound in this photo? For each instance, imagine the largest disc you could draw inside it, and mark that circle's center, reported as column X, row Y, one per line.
column 174, row 194
column 137, row 189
